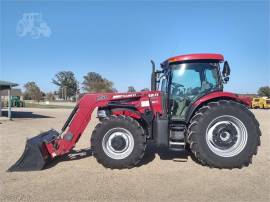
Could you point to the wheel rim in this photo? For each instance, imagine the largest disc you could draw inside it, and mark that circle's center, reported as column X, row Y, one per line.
column 118, row 143
column 226, row 136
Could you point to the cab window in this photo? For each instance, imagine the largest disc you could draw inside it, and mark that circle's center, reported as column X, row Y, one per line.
column 211, row 76
column 163, row 86
column 185, row 81
column 190, row 81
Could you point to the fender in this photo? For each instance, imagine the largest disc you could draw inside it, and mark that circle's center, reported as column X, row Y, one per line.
column 213, row 97
column 145, row 118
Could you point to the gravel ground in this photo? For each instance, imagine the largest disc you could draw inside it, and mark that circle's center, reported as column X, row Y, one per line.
column 173, row 177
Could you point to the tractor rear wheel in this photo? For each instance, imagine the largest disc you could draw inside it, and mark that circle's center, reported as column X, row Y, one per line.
column 224, row 134
column 118, row 142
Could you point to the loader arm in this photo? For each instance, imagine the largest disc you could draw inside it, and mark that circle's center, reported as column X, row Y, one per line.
column 76, row 124
column 81, row 116
column 40, row 149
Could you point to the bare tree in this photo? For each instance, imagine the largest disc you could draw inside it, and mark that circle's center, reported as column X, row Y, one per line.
column 50, row 96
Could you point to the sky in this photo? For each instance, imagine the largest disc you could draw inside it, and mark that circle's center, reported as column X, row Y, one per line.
column 118, row 39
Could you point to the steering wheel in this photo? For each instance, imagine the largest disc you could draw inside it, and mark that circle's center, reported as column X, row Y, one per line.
column 177, row 85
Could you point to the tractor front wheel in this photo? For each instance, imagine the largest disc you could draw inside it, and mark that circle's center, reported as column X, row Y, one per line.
column 224, row 134
column 118, row 142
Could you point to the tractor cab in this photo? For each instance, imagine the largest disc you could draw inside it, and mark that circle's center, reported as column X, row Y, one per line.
column 184, row 79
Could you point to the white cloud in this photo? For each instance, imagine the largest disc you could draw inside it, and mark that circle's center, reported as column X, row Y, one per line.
column 31, row 24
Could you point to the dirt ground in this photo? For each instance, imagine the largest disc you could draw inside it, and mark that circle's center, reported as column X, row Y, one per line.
column 175, row 177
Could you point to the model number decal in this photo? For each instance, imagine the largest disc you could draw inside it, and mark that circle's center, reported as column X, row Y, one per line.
column 153, row 95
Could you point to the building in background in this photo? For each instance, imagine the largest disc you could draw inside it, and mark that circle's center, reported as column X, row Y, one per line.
column 6, row 86
column 15, row 92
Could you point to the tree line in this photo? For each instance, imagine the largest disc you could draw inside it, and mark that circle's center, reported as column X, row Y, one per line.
column 69, row 86
column 264, row 91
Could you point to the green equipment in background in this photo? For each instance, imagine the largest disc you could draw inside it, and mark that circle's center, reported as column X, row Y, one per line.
column 15, row 102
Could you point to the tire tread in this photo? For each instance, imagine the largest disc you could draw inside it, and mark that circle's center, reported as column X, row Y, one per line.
column 140, row 148
column 193, row 129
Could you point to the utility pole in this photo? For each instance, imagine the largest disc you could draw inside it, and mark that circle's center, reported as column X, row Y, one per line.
column 9, row 103
column 65, row 93
column 62, row 92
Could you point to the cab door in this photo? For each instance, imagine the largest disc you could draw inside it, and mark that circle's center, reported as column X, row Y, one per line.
column 185, row 87
column 189, row 81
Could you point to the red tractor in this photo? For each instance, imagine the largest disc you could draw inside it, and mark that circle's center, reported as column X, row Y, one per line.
column 186, row 108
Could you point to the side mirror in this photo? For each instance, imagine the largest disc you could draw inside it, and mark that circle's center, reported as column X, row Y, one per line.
column 226, row 69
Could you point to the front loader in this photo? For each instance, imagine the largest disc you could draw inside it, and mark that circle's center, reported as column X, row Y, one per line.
column 186, row 108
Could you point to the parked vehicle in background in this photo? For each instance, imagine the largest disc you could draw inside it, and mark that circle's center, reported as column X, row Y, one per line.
column 267, row 103
column 255, row 103
column 16, row 102
column 261, row 103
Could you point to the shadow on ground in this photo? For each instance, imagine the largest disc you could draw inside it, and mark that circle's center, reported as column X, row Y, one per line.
column 164, row 154
column 29, row 115
column 71, row 156
column 150, row 155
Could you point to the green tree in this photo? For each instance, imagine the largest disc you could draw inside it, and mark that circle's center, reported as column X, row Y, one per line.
column 264, row 91
column 32, row 91
column 94, row 82
column 67, row 83
column 131, row 89
column 145, row 89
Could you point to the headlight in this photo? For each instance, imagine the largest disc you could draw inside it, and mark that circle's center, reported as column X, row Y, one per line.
column 101, row 114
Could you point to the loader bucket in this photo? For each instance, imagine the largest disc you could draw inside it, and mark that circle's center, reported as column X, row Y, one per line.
column 35, row 155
